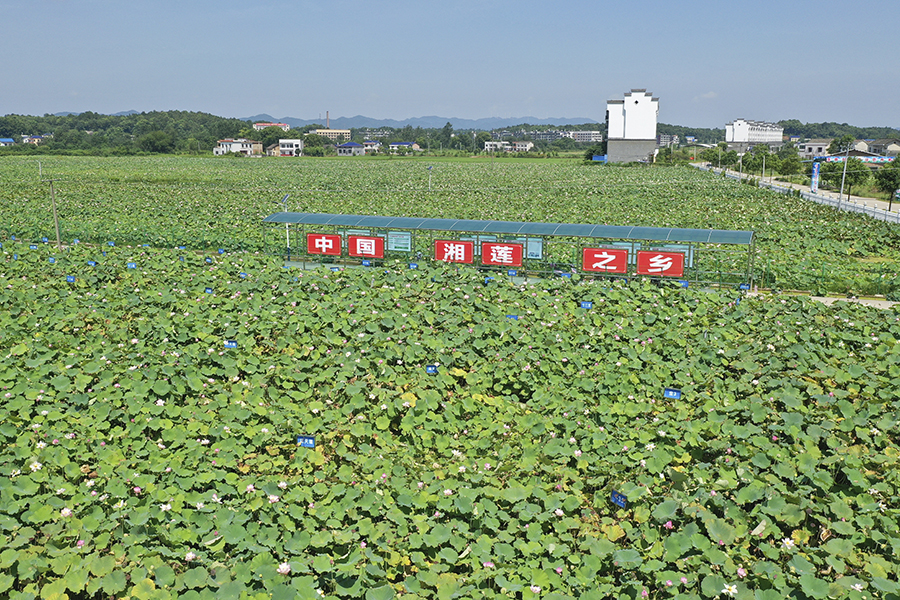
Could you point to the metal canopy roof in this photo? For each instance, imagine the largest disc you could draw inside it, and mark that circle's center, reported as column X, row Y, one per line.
column 622, row 232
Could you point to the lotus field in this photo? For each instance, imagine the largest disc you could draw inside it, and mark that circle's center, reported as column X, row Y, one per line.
column 205, row 203
column 179, row 423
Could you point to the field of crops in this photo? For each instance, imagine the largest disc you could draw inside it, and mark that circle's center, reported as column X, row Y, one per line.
column 204, row 203
column 467, row 435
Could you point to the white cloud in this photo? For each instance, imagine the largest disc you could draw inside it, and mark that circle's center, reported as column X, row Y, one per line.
column 706, row 96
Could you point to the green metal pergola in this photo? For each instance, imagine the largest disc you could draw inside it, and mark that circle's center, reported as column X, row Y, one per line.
column 713, row 256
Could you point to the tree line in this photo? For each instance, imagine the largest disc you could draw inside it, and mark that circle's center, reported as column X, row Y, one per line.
column 197, row 133
column 92, row 133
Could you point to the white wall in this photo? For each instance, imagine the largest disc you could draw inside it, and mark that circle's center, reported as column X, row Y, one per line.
column 634, row 118
column 616, row 119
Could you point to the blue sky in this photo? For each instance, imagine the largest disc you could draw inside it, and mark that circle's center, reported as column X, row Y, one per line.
column 708, row 61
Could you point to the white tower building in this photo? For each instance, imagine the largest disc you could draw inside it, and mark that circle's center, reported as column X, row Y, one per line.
column 631, row 127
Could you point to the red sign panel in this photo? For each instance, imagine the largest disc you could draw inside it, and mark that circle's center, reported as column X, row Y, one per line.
column 365, row 247
column 665, row 264
column 605, row 260
column 321, row 243
column 454, row 251
column 507, row 255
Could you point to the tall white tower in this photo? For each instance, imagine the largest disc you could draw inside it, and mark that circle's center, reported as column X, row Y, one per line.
column 631, row 127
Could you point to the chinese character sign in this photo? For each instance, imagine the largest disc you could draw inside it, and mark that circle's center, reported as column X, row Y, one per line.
column 665, row 264
column 604, row 260
column 509, row 255
column 320, row 243
column 366, row 247
column 454, row 251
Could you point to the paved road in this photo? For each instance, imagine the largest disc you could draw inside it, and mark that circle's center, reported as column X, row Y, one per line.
column 881, row 204
column 829, row 300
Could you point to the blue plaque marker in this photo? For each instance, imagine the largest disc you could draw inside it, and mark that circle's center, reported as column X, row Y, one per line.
column 208, row 259
column 51, row 260
column 13, row 237
column 566, row 275
column 306, row 441
column 587, row 304
column 672, row 393
column 131, row 265
column 75, row 241
column 513, row 317
column 413, row 265
column 92, row 263
column 208, row 290
column 181, row 258
column 230, row 344
column 110, row 243
column 243, row 276
column 335, row 269
column 15, row 257
column 744, row 286
column 488, row 280
column 33, row 246
column 367, row 263
column 737, row 301
column 145, row 245
column 181, row 247
column 70, row 279
column 221, row 251
column 45, row 240
column 431, row 369
column 104, row 253
column 618, row 499
column 684, row 283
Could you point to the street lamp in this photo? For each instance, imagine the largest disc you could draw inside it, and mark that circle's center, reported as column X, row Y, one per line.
column 53, row 202
column 844, row 175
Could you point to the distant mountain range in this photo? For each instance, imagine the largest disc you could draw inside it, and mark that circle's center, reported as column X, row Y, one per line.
column 431, row 122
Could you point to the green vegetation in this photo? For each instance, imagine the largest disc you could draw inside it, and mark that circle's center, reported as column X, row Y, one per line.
column 836, row 130
column 143, row 456
column 208, row 203
column 153, row 397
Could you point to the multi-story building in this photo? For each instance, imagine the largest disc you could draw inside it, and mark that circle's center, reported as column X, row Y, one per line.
column 259, row 126
column 664, row 139
column 374, row 133
column 290, row 147
column 885, row 147
column 504, row 146
column 407, row 146
column 584, row 136
column 813, row 148
column 238, row 146
column 743, row 131
column 350, row 149
column 493, row 146
column 335, row 135
column 631, row 127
